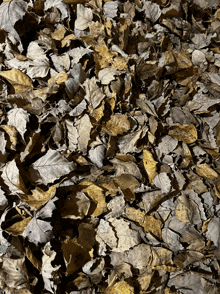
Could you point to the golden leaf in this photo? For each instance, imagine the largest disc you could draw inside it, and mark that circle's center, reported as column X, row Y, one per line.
column 39, row 197
column 18, row 80
column 205, row 171
column 18, row 228
column 97, row 195
column 67, row 40
column 59, row 33
column 12, row 132
column 217, row 14
column 185, row 133
column 117, row 125
column 149, row 165
column 148, row 222
column 121, row 287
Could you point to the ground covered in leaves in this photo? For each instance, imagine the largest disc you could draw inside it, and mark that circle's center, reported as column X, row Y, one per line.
column 109, row 146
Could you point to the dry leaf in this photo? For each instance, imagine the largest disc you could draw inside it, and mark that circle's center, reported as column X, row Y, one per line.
column 117, row 125
column 149, row 165
column 185, row 133
column 205, row 171
column 18, row 80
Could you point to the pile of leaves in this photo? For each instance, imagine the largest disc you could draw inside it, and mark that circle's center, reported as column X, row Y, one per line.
column 109, row 146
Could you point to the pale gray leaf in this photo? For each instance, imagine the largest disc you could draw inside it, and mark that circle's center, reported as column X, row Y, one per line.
column 63, row 7
column 84, row 127
column 97, row 155
column 94, row 94
column 18, row 118
column 152, row 10
column 162, row 181
column 84, row 17
column 111, row 8
column 11, row 12
column 50, row 167
column 38, row 231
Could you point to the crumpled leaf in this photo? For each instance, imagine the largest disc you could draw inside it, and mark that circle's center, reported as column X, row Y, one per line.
column 84, row 17
column 152, row 10
column 48, row 271
column 162, row 181
column 63, row 7
column 139, row 256
column 11, row 12
column 50, row 167
column 96, row 194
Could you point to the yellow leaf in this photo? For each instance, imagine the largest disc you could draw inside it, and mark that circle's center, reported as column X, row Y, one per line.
column 97, row 195
column 149, row 165
column 67, row 40
column 12, row 132
column 185, row 133
column 18, row 80
column 205, row 171
column 18, row 228
column 59, row 33
column 217, row 14
column 39, row 197
column 148, row 222
column 121, row 287
column 117, row 125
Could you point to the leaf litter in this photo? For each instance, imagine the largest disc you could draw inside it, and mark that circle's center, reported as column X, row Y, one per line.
column 109, row 146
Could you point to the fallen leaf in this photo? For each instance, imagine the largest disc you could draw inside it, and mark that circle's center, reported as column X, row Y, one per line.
column 149, row 165
column 185, row 133
column 18, row 80
column 205, row 171
column 117, row 125
column 50, row 167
